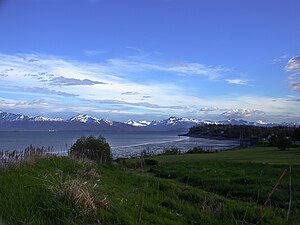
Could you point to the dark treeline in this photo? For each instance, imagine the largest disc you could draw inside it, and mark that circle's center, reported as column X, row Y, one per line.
column 244, row 131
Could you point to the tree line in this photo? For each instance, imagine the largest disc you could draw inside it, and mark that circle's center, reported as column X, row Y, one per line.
column 244, row 131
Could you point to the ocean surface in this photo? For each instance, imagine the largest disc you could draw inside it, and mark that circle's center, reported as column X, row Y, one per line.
column 123, row 144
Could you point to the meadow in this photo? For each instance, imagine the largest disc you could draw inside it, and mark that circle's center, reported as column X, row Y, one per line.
column 209, row 188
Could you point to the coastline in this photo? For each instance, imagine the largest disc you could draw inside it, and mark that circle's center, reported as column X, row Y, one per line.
column 209, row 137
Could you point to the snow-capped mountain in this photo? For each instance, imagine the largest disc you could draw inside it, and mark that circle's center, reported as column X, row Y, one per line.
column 256, row 123
column 9, row 117
column 42, row 118
column 172, row 123
column 10, row 121
column 89, row 119
column 142, row 123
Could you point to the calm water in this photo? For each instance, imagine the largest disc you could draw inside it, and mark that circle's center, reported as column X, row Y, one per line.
column 123, row 144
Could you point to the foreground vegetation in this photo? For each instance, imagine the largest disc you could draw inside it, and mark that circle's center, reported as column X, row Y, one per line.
column 208, row 188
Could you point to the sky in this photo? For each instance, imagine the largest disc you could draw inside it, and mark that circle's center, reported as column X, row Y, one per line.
column 146, row 60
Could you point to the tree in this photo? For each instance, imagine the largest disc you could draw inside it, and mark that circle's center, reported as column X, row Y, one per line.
column 93, row 148
column 297, row 134
column 273, row 140
column 284, row 143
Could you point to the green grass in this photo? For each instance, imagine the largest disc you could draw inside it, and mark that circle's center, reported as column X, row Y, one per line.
column 216, row 188
column 269, row 155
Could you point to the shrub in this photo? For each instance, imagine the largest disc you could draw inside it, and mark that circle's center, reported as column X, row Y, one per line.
column 136, row 163
column 284, row 143
column 151, row 162
column 96, row 149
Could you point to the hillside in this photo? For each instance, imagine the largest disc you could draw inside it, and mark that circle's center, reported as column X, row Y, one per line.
column 217, row 188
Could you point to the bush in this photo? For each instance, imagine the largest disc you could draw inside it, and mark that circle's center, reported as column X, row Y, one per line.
column 96, row 149
column 284, row 143
column 151, row 162
column 136, row 163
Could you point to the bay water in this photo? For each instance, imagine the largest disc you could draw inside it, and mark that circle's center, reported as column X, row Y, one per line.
column 123, row 144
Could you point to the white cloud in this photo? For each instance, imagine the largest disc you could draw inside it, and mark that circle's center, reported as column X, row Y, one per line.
column 131, row 93
column 197, row 69
column 293, row 64
column 209, row 109
column 295, row 86
column 181, row 69
column 280, row 59
column 237, row 81
column 242, row 113
column 115, row 86
column 43, row 90
column 98, row 82
column 294, row 81
column 63, row 81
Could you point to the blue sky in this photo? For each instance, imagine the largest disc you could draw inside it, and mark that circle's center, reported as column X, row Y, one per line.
column 138, row 59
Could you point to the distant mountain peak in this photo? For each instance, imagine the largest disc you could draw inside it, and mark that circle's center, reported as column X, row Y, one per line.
column 10, row 117
column 42, row 118
column 142, row 123
column 11, row 121
column 84, row 118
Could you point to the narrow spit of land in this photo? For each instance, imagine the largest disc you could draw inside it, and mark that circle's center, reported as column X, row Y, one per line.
column 209, row 188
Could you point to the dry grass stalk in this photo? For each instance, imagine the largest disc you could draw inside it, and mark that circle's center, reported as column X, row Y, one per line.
column 28, row 156
column 77, row 191
column 290, row 190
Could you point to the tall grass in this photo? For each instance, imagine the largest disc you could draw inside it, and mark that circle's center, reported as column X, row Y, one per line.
column 78, row 191
column 29, row 155
column 187, row 189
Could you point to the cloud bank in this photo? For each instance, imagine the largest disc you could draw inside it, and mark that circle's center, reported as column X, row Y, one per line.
column 126, row 86
column 293, row 65
column 64, row 81
column 242, row 113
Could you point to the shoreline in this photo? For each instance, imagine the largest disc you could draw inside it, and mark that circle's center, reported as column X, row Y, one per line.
column 209, row 137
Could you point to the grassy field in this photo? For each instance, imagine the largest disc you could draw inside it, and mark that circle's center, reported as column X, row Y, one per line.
column 210, row 188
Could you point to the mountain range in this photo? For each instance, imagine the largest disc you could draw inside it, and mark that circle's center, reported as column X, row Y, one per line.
column 11, row 121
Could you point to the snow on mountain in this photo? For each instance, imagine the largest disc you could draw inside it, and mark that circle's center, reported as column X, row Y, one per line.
column 89, row 119
column 142, row 123
column 257, row 123
column 173, row 121
column 81, row 122
column 10, row 117
column 261, row 122
column 209, row 122
column 42, row 118
column 170, row 123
